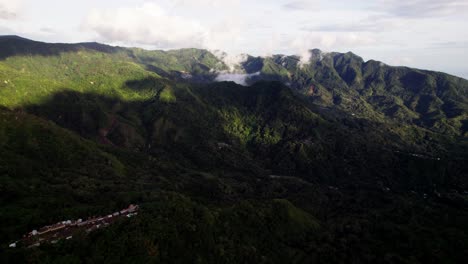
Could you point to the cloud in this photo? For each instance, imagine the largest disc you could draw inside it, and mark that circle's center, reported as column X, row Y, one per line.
column 239, row 78
column 301, row 46
column 328, row 42
column 462, row 74
column 47, row 30
column 151, row 25
column 302, row 5
column 148, row 24
column 449, row 45
column 422, row 8
column 369, row 24
column 6, row 31
column 235, row 72
column 9, row 9
column 208, row 3
column 404, row 60
column 232, row 61
column 226, row 34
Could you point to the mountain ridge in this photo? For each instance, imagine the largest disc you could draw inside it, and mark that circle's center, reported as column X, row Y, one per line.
column 312, row 51
column 341, row 80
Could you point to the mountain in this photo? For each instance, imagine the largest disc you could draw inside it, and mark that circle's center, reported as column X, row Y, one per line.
column 329, row 161
column 371, row 89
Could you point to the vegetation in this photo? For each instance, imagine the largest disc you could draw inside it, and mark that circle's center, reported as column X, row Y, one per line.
column 352, row 162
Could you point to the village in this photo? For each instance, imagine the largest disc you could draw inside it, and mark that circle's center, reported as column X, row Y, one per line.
column 65, row 229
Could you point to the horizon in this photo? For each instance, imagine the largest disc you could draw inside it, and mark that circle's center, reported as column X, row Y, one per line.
column 419, row 34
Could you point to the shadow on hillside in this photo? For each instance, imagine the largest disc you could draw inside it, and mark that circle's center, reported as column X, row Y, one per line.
column 328, row 146
column 151, row 126
column 146, row 84
column 158, row 71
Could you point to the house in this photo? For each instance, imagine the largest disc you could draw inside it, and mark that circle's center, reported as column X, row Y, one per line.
column 132, row 208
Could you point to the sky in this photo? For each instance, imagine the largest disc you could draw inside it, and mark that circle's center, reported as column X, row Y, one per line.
column 427, row 34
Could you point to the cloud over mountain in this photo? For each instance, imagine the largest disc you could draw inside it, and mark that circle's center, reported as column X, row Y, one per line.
column 382, row 29
column 239, row 78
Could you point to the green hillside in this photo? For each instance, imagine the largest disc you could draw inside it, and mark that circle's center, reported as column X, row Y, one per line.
column 335, row 161
column 373, row 90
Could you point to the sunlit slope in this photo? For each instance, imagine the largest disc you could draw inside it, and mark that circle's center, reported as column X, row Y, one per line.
column 31, row 71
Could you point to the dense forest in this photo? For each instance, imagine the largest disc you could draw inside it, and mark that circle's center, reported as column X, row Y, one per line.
column 335, row 161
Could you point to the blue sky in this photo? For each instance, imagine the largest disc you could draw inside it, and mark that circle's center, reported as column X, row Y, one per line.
column 427, row 34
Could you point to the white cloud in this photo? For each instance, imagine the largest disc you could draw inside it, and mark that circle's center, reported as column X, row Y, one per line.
column 47, row 30
column 232, row 61
column 398, row 61
column 239, row 78
column 209, row 3
column 374, row 23
column 9, row 9
column 302, row 5
column 328, row 42
column 235, row 73
column 148, row 24
column 225, row 35
column 423, row 8
column 151, row 25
